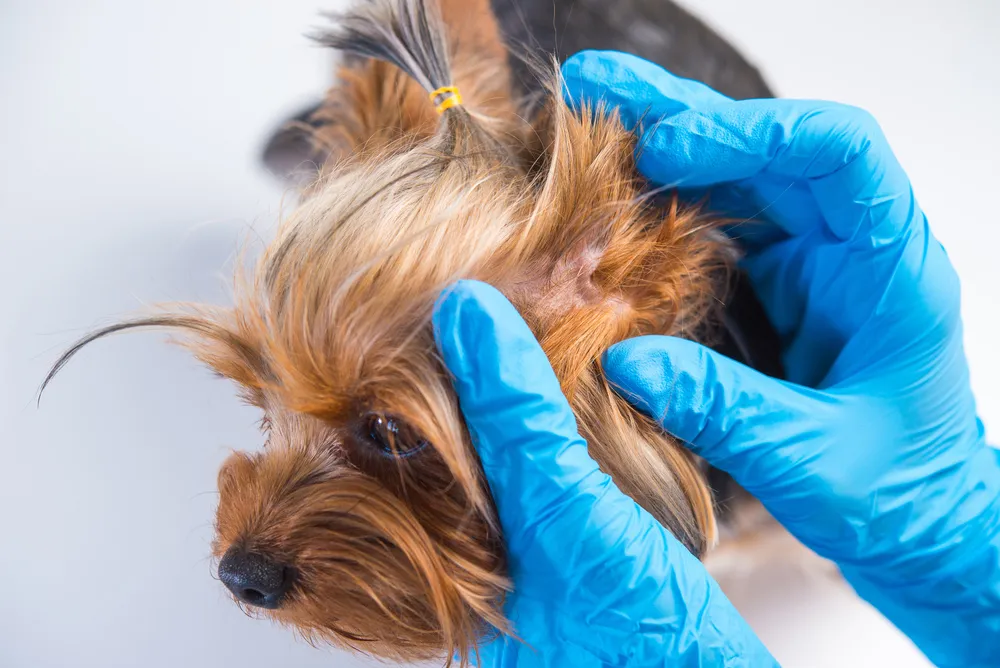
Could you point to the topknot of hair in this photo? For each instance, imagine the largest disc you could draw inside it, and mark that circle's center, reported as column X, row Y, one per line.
column 406, row 33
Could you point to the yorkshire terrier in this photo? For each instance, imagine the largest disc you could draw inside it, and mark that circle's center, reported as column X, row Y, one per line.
column 365, row 521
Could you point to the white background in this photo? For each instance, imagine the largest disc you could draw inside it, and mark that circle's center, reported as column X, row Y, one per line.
column 129, row 134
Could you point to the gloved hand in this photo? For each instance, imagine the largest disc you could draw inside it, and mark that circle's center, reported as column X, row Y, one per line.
column 872, row 454
column 597, row 581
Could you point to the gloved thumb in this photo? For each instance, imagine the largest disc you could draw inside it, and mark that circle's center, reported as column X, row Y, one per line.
column 524, row 430
column 596, row 577
column 738, row 419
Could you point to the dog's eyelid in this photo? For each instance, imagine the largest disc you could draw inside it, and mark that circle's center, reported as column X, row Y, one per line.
column 392, row 435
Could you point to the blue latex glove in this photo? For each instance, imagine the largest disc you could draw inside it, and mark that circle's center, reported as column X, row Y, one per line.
column 597, row 581
column 872, row 455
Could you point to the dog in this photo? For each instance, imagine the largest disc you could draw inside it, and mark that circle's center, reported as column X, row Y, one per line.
column 366, row 521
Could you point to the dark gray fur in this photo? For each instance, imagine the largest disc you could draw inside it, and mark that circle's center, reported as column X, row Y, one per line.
column 657, row 30
column 408, row 35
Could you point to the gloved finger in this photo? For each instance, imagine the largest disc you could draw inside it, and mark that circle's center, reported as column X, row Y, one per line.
column 588, row 563
column 733, row 416
column 535, row 461
column 638, row 88
column 810, row 164
column 642, row 92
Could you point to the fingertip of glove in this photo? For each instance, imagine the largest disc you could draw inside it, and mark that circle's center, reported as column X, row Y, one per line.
column 465, row 312
column 590, row 62
column 663, row 376
column 642, row 353
column 505, row 385
column 482, row 338
column 582, row 76
column 640, row 369
column 462, row 297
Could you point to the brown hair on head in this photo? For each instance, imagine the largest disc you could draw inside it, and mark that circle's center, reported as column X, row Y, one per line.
column 368, row 499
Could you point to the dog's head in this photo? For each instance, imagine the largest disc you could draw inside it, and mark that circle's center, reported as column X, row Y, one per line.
column 365, row 520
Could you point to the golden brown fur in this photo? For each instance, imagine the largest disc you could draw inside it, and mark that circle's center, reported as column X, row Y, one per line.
column 402, row 556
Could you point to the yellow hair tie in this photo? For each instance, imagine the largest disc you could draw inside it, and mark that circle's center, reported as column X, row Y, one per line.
column 453, row 98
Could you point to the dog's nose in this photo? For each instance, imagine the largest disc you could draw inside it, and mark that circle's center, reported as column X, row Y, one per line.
column 254, row 579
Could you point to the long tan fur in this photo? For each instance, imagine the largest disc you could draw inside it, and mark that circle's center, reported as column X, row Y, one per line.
column 402, row 557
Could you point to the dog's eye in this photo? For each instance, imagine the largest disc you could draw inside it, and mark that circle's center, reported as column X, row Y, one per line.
column 392, row 436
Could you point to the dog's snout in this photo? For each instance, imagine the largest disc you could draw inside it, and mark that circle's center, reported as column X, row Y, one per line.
column 254, row 579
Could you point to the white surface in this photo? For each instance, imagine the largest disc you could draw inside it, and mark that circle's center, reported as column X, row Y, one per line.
column 129, row 133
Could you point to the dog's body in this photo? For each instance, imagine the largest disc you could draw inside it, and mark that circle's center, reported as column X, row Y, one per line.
column 366, row 520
